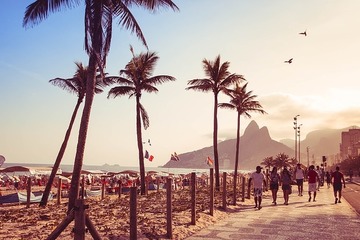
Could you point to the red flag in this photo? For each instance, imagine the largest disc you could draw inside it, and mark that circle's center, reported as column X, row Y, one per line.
column 209, row 161
column 151, row 158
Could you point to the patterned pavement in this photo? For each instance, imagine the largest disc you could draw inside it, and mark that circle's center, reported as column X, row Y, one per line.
column 299, row 220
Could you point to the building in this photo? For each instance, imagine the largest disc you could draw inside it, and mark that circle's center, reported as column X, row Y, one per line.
column 350, row 143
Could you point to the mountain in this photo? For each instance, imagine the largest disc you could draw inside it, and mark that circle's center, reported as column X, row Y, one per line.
column 255, row 145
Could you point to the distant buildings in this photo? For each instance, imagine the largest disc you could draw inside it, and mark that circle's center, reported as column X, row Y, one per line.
column 350, row 143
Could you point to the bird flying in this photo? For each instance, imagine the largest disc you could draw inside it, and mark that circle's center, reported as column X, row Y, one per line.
column 289, row 61
column 303, row 33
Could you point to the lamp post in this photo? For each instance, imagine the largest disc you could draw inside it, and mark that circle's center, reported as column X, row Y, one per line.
column 299, row 140
column 295, row 128
column 307, row 151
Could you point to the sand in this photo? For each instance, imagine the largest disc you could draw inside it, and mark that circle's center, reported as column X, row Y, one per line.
column 111, row 216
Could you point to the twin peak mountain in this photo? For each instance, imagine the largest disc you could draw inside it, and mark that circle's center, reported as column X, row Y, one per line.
column 255, row 145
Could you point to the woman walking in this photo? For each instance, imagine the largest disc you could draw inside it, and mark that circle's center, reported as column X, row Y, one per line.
column 274, row 178
column 286, row 184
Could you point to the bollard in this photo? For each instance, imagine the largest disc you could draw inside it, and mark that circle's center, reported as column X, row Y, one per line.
column 193, row 198
column 28, row 192
column 224, row 191
column 169, row 208
column 211, row 192
column 79, row 226
column 133, row 214
column 59, row 192
column 103, row 188
column 243, row 189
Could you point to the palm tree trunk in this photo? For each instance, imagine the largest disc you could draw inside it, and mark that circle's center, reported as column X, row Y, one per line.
column 216, row 155
column 59, row 157
column 78, row 163
column 89, row 97
column 236, row 157
column 140, row 146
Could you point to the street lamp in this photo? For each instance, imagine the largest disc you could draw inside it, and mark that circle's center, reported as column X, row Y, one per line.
column 299, row 140
column 307, row 151
column 295, row 128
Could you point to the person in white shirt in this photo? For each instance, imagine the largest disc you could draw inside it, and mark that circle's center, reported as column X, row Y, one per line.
column 299, row 176
column 258, row 179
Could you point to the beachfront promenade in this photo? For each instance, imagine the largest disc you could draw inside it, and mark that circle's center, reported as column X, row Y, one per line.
column 300, row 219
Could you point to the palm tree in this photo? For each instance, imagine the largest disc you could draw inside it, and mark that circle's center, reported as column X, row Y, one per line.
column 243, row 102
column 133, row 80
column 76, row 85
column 99, row 16
column 218, row 79
column 268, row 162
column 282, row 160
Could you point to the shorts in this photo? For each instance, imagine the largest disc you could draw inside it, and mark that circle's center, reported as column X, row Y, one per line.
column 257, row 192
column 337, row 187
column 312, row 187
column 274, row 186
column 299, row 182
column 286, row 187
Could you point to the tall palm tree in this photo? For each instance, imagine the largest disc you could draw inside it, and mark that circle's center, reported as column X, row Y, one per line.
column 133, row 80
column 268, row 162
column 99, row 17
column 282, row 160
column 243, row 102
column 76, row 85
column 218, row 79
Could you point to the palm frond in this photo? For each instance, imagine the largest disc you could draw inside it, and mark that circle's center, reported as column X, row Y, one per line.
column 144, row 117
column 40, row 9
column 127, row 20
column 120, row 91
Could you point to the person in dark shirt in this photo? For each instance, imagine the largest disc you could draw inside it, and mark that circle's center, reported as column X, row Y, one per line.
column 337, row 177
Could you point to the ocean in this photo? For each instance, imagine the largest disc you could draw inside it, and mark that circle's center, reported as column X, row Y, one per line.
column 117, row 168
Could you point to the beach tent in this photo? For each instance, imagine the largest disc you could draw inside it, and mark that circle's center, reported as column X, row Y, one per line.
column 35, row 197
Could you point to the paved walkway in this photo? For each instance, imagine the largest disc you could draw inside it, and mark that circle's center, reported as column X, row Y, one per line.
column 300, row 219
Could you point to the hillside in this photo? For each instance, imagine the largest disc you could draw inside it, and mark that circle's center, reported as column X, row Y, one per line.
column 255, row 145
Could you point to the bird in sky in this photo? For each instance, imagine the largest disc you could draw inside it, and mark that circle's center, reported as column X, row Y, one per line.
column 289, row 61
column 303, row 33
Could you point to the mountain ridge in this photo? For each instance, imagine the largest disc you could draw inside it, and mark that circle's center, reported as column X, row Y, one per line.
column 256, row 144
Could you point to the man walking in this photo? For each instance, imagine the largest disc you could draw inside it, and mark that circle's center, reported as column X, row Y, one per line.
column 259, row 180
column 312, row 177
column 299, row 176
column 337, row 177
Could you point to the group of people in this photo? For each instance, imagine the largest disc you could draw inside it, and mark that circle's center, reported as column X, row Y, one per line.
column 285, row 180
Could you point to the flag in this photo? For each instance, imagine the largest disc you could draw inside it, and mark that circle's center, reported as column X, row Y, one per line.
column 209, row 161
column 151, row 158
column 146, row 154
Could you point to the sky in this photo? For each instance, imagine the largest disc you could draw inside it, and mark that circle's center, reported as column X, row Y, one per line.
column 256, row 37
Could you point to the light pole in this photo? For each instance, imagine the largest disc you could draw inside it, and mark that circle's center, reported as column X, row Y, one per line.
column 299, row 139
column 295, row 128
column 307, row 151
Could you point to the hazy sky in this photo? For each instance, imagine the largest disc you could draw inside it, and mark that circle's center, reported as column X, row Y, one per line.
column 256, row 37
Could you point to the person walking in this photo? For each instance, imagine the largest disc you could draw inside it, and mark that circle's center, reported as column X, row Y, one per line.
column 313, row 177
column 328, row 179
column 259, row 179
column 285, row 180
column 337, row 177
column 299, row 176
column 274, row 178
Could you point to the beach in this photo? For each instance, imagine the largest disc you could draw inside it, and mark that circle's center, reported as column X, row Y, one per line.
column 111, row 216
